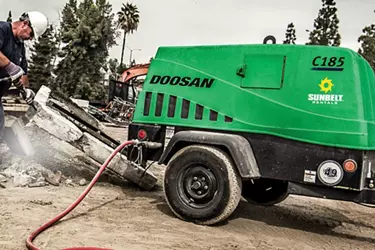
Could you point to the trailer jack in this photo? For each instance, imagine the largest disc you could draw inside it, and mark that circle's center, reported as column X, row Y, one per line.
column 33, row 235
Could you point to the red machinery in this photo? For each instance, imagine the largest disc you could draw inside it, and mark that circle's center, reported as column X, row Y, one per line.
column 135, row 71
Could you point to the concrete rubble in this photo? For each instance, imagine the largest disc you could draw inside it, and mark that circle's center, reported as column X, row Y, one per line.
column 69, row 148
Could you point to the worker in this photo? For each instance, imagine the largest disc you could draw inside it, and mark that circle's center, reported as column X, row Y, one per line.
column 13, row 62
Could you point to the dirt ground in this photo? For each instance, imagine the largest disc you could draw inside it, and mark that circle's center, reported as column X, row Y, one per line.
column 126, row 218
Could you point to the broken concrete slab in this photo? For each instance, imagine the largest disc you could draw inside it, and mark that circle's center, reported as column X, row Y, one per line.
column 97, row 134
column 96, row 149
column 42, row 95
column 99, row 151
column 58, row 155
column 56, row 125
column 66, row 105
column 52, row 155
column 83, row 120
column 64, row 141
column 84, row 104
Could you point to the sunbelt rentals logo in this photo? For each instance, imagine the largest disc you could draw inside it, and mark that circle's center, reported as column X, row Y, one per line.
column 326, row 85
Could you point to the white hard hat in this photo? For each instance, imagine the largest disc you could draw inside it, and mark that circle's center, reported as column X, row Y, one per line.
column 38, row 22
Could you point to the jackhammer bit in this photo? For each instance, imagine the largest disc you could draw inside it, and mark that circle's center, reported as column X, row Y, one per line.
column 35, row 106
column 23, row 93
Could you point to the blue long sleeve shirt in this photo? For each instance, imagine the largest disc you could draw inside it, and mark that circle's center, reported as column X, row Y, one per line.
column 13, row 49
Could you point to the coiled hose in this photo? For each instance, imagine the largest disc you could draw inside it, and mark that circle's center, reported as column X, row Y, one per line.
column 34, row 234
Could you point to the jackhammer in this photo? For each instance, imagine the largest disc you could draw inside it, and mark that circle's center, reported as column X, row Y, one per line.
column 19, row 86
column 14, row 135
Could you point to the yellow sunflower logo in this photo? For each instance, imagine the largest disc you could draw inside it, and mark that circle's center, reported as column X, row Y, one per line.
column 326, row 85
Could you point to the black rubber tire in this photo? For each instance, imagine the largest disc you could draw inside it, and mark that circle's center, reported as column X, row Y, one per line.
column 218, row 181
column 266, row 192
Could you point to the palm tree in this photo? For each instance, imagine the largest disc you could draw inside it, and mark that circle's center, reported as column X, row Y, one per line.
column 128, row 20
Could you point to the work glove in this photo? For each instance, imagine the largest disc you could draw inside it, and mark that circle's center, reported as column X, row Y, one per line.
column 28, row 95
column 15, row 72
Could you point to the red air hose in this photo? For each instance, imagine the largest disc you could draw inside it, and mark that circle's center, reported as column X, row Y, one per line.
column 32, row 236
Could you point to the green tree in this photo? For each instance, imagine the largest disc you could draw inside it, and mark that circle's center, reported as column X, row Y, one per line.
column 86, row 36
column 41, row 61
column 9, row 19
column 128, row 21
column 66, row 75
column 367, row 41
column 290, row 35
column 326, row 26
column 113, row 67
column 69, row 22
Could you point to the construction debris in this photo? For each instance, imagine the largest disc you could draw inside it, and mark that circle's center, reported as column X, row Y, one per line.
column 69, row 147
column 120, row 111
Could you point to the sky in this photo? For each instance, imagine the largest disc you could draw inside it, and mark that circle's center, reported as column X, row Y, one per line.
column 214, row 22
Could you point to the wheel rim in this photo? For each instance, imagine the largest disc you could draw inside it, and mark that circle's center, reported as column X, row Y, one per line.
column 197, row 186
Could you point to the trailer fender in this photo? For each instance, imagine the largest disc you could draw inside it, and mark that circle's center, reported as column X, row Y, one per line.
column 237, row 146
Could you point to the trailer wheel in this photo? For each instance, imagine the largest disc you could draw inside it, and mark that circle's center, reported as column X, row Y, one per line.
column 201, row 185
column 264, row 191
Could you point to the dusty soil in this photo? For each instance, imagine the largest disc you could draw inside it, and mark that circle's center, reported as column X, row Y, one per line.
column 126, row 218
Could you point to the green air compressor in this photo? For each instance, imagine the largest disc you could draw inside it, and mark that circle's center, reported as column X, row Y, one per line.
column 258, row 121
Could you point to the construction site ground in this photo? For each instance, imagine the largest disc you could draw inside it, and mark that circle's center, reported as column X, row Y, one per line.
column 126, row 218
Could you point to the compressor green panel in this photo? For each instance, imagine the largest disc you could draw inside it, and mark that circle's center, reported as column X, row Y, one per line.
column 263, row 71
column 316, row 94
